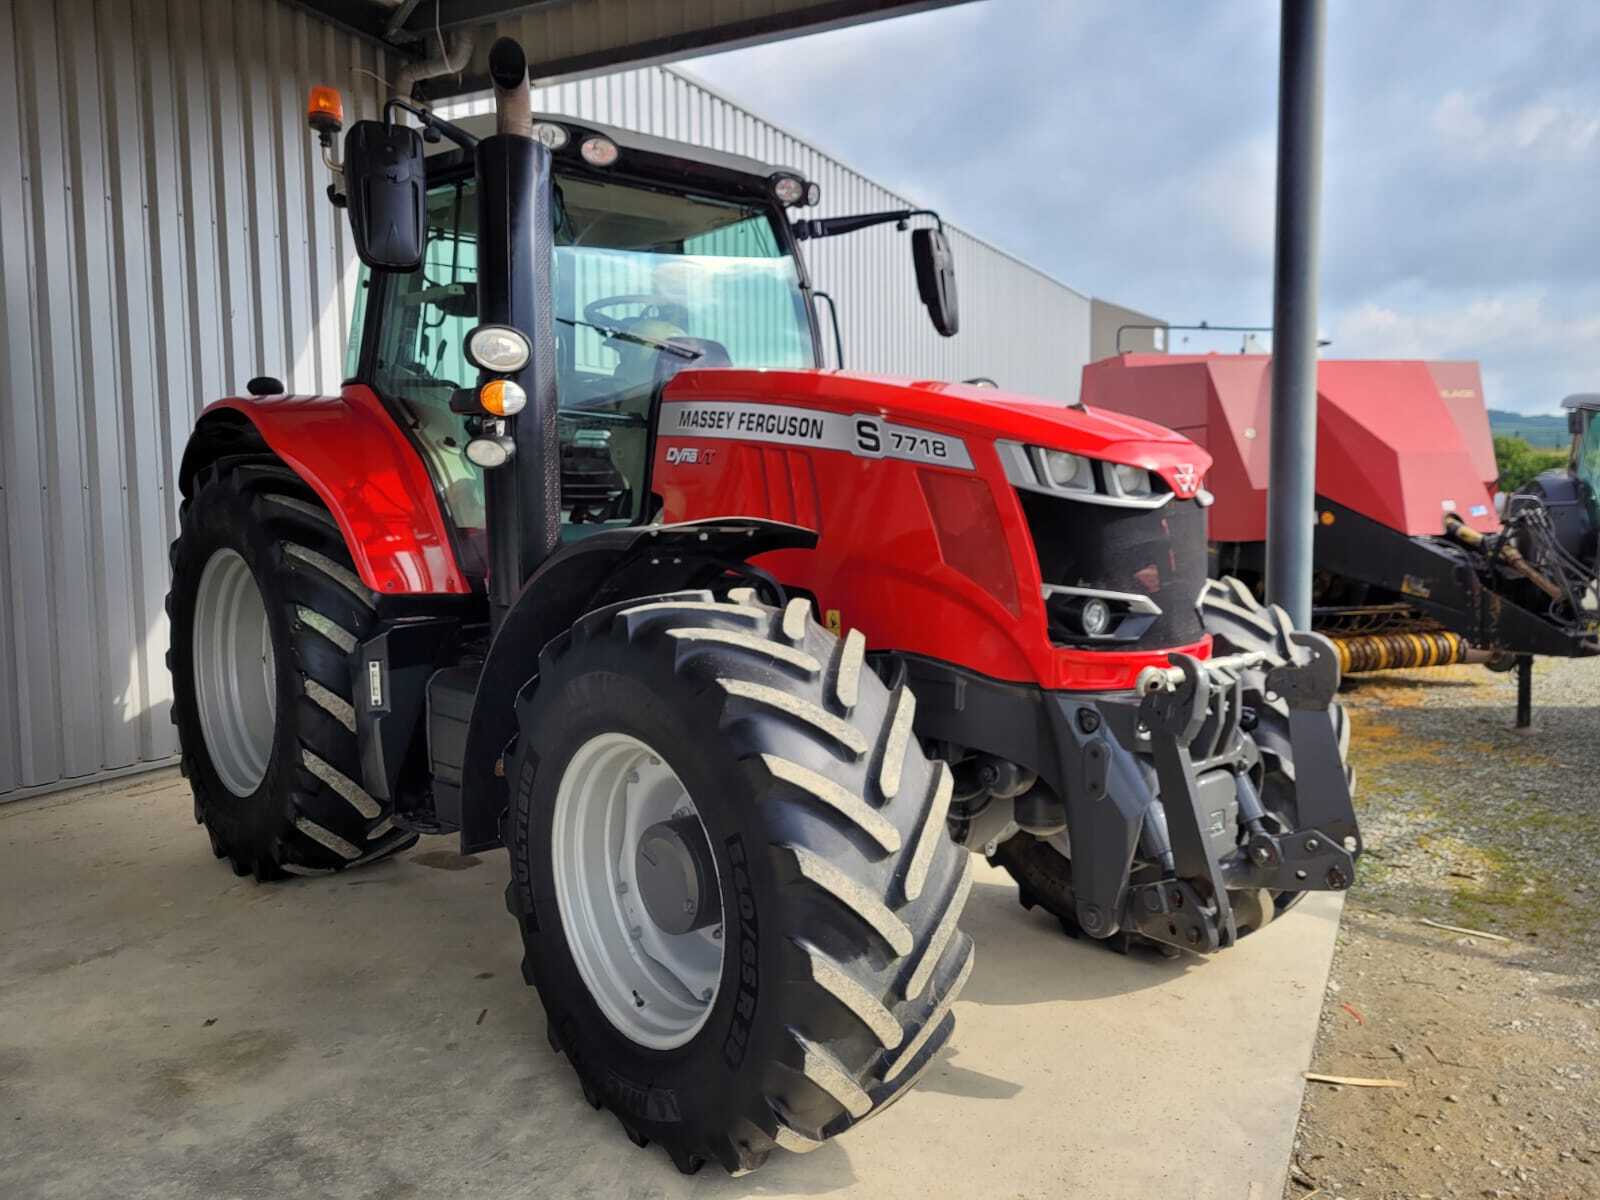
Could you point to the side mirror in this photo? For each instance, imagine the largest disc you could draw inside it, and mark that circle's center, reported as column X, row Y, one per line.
column 936, row 279
column 386, row 186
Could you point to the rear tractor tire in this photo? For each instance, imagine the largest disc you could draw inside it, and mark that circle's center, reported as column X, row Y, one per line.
column 265, row 611
column 729, row 861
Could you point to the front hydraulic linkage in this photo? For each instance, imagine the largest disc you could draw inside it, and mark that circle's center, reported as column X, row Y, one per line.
column 1176, row 911
column 1194, row 700
column 1321, row 854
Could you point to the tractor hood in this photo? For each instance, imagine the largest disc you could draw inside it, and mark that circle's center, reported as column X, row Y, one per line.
column 977, row 415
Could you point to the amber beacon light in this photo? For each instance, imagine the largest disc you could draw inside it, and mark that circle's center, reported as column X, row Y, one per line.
column 325, row 110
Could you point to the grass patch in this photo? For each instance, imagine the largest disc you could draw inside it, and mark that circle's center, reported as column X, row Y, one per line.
column 1511, row 896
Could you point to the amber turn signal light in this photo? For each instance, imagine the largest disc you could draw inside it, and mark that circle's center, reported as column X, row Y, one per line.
column 502, row 398
column 325, row 110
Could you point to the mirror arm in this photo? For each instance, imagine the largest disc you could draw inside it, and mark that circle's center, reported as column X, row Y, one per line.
column 435, row 124
column 834, row 226
column 330, row 159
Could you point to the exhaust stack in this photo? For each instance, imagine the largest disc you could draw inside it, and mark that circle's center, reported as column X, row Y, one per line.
column 513, row 107
column 515, row 268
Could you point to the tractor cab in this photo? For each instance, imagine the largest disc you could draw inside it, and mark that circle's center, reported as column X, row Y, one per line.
column 1583, row 419
column 659, row 263
column 663, row 257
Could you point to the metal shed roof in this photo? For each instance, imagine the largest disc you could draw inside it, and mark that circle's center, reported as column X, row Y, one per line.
column 564, row 38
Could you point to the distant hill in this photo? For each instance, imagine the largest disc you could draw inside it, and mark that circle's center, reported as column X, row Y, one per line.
column 1539, row 429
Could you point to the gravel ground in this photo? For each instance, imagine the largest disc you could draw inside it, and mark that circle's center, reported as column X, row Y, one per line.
column 1472, row 823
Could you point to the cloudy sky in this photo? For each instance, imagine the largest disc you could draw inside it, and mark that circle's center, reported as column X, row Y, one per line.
column 1127, row 149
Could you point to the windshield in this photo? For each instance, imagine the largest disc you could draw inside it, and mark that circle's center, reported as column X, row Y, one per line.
column 641, row 274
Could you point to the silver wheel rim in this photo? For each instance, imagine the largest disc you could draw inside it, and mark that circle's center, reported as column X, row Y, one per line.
column 657, row 988
column 235, row 678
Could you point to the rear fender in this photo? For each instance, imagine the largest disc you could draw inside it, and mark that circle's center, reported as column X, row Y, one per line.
column 605, row 568
column 351, row 453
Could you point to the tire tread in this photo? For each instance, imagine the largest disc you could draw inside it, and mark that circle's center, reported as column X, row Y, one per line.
column 844, row 726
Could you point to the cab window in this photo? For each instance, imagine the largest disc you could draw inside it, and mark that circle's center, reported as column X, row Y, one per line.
column 641, row 275
column 1587, row 464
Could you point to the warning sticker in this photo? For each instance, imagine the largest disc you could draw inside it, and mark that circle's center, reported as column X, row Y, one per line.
column 860, row 434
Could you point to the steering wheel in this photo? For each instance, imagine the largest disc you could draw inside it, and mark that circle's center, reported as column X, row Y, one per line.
column 657, row 306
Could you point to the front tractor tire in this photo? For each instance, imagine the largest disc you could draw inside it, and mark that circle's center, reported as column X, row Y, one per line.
column 265, row 611
column 729, row 861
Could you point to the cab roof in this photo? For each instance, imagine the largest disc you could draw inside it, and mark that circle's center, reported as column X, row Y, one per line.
column 645, row 154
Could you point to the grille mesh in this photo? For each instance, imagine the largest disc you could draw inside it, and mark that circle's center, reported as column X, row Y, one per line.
column 1159, row 553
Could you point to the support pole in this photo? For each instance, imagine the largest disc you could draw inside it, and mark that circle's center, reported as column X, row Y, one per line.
column 1291, row 491
column 1524, row 691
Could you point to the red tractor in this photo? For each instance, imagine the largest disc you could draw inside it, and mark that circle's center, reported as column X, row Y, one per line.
column 547, row 573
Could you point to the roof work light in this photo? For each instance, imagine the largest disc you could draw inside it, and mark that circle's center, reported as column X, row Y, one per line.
column 499, row 348
column 789, row 189
column 598, row 151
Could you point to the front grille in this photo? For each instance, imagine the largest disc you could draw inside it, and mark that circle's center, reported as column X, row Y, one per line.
column 1157, row 553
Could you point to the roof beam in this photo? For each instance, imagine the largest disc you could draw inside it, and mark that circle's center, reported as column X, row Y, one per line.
column 568, row 38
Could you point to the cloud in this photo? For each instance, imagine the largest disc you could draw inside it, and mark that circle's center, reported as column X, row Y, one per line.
column 1521, row 322
column 1129, row 150
column 1555, row 127
column 1233, row 193
column 1534, row 349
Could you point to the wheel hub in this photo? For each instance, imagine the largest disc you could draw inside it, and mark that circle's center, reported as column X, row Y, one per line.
column 235, row 672
column 638, row 890
column 675, row 872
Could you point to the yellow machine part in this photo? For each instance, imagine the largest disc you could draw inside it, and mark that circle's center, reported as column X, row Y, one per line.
column 1399, row 651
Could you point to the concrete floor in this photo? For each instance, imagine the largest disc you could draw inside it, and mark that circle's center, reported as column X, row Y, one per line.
column 168, row 1030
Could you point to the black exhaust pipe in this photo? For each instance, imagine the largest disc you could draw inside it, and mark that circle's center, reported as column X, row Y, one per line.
column 523, row 498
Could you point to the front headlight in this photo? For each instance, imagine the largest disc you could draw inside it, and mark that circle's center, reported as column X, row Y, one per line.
column 1079, row 478
column 1094, row 615
column 1132, row 481
column 1066, row 470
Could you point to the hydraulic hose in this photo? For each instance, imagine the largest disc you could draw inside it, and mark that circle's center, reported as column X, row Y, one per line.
column 1505, row 552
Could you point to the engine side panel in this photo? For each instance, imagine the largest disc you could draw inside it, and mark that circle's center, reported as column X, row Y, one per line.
column 922, row 541
column 348, row 449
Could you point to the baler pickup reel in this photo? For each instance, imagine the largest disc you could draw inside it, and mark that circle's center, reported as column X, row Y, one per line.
column 1194, row 713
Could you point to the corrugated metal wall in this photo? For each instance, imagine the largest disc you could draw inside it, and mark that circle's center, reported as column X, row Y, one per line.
column 1018, row 326
column 164, row 236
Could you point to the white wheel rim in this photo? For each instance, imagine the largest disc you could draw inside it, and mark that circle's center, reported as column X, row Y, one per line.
column 235, row 674
column 657, row 988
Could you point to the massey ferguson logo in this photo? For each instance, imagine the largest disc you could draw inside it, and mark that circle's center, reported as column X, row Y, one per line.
column 688, row 456
column 1186, row 477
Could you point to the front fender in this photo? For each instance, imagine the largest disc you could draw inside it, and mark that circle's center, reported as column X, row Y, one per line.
column 604, row 568
column 351, row 453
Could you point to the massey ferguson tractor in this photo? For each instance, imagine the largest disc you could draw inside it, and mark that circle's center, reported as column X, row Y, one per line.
column 741, row 660
column 1418, row 562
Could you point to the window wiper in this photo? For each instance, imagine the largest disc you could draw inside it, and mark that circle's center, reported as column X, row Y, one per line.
column 637, row 339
